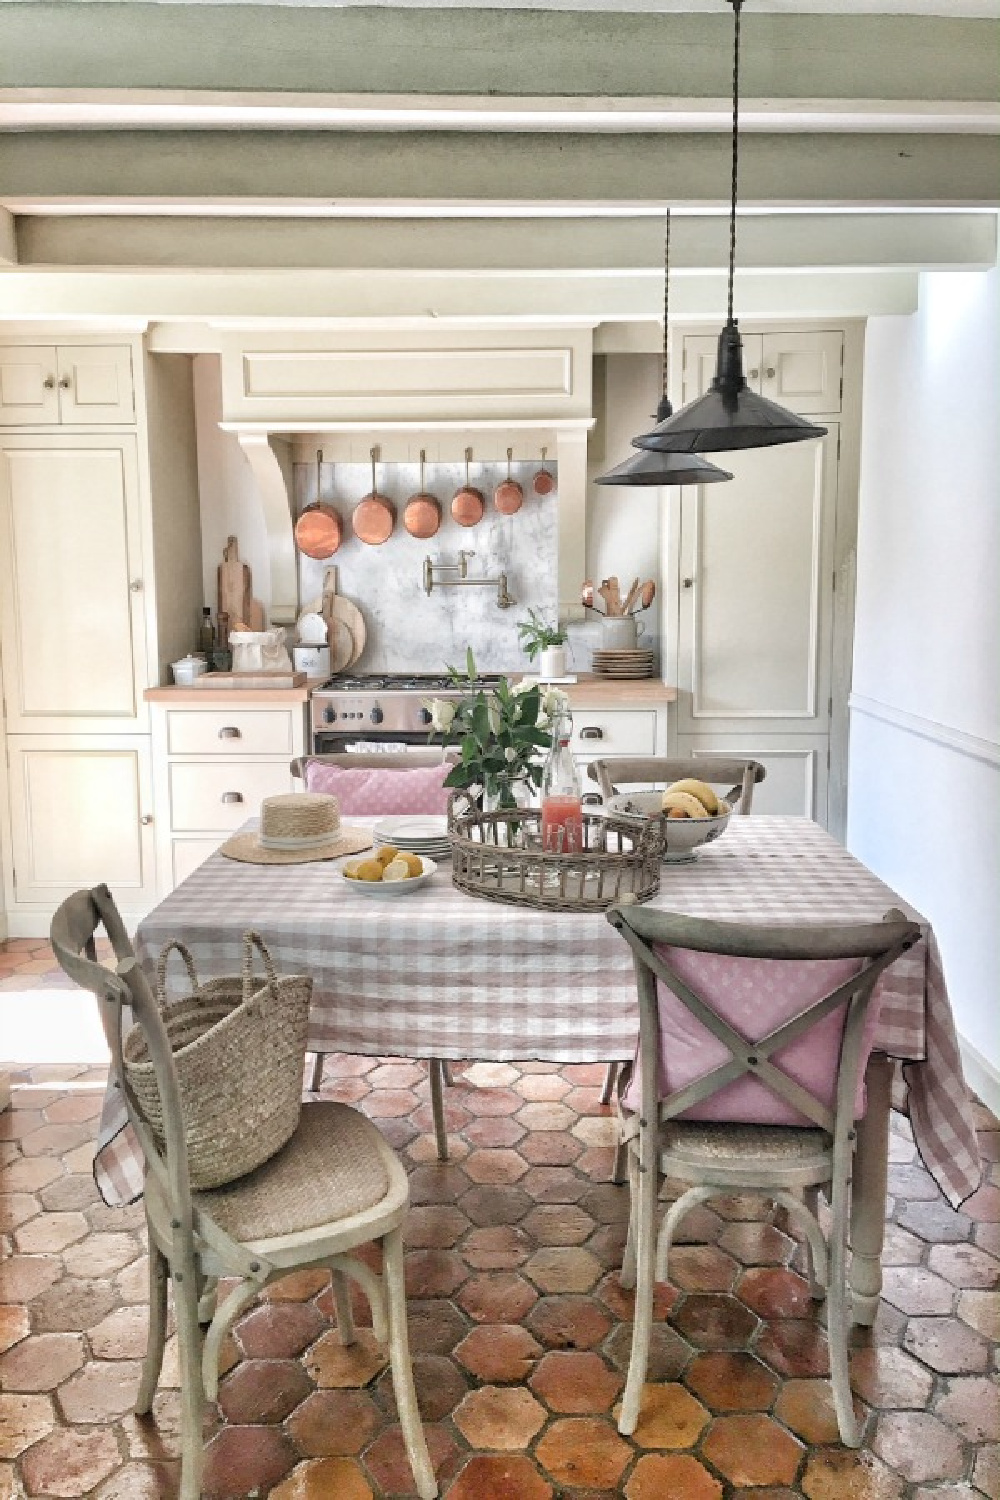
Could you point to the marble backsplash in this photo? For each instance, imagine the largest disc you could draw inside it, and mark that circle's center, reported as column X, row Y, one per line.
column 407, row 629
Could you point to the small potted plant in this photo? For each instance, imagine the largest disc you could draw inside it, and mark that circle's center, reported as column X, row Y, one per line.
column 547, row 642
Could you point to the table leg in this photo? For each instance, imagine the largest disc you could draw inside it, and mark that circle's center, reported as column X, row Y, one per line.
column 871, row 1164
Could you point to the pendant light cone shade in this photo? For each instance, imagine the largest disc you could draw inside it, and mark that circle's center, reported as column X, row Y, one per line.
column 730, row 415
column 648, row 470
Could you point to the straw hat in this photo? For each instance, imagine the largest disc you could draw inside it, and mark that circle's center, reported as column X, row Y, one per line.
column 297, row 827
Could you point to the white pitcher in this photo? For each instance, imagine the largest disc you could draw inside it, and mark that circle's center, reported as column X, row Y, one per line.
column 620, row 632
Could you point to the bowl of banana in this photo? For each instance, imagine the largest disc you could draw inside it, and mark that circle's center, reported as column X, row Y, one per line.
column 689, row 813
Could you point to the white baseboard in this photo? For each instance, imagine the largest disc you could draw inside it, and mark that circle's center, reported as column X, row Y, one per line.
column 981, row 1076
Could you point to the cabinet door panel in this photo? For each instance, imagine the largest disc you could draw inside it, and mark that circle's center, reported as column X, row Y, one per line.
column 73, row 632
column 95, row 384
column 803, row 370
column 796, row 780
column 76, row 811
column 29, row 394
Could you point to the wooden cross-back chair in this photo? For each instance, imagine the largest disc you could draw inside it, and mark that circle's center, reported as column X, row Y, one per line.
column 738, row 773
column 335, row 1186
column 402, row 760
column 788, row 1163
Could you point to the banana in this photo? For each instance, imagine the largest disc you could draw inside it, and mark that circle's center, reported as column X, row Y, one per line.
column 683, row 802
column 699, row 789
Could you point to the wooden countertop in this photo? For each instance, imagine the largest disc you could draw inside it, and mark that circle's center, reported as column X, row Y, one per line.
column 602, row 692
column 229, row 697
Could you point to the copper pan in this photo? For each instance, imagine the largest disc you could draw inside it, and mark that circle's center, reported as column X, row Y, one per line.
column 468, row 504
column 422, row 514
column 318, row 530
column 544, row 482
column 508, row 497
column 374, row 515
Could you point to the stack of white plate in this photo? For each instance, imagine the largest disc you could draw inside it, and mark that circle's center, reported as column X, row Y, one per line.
column 416, row 834
column 623, row 664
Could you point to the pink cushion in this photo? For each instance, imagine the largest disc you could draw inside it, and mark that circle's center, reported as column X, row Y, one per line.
column 755, row 996
column 367, row 790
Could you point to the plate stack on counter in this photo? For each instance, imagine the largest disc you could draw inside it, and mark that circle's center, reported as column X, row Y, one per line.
column 623, row 664
column 416, row 835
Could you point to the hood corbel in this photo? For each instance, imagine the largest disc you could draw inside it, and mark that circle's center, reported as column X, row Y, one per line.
column 270, row 460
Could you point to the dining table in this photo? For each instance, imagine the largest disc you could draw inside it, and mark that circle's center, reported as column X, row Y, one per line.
column 438, row 973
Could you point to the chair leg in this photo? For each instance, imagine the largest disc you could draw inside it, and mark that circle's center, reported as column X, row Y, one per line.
column 192, row 1388
column 316, row 1073
column 818, row 1268
column 838, row 1320
column 153, row 1360
column 628, row 1270
column 642, row 1325
column 206, row 1302
column 345, row 1314
column 610, row 1079
column 449, row 1082
column 402, row 1370
column 436, row 1070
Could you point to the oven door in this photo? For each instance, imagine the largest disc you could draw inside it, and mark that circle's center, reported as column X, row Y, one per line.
column 344, row 741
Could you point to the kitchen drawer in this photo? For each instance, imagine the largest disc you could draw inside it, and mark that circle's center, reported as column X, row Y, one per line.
column 206, row 796
column 187, row 854
column 231, row 731
column 613, row 732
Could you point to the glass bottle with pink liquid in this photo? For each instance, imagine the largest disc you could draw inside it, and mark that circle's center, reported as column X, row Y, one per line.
column 562, row 808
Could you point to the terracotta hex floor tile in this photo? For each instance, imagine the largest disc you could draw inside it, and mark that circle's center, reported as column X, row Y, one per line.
column 387, row 1464
column 728, row 1382
column 104, row 1390
column 965, row 1266
column 981, row 1310
column 17, row 1209
column 558, row 1224
column 440, row 1386
column 500, row 1476
column 499, row 1416
column 806, row 1407
column 915, row 1290
column 569, row 1322
column 50, row 1233
column 669, row 1417
column 491, row 1207
column 433, row 1273
column 439, row 1182
column 937, row 1222
column 671, row 1476
column 333, row 1423
column 549, row 1148
column 300, row 1286
column 24, row 1277
column 29, row 1173
column 24, row 1420
column 901, row 1248
column 751, row 1449
column 701, row 1268
column 918, row 1446
column 845, row 1474
column 971, row 1404
column 331, row 1363
column 490, row 1075
column 775, row 1292
column 498, row 1353
column 41, row 1363
column 279, row 1330
column 583, row 1452
column 100, row 1255
column 140, row 1481
column 554, row 1185
column 435, row 1326
column 69, row 1463
column 947, row 1345
column 239, row 1460
column 562, row 1268
column 986, row 1473
column 14, row 1326
column 621, row 1300
column 889, row 1377
column 263, row 1391
column 542, row 1087
column 575, row 1381
column 324, row 1479
column 493, row 1131
column 756, row 1244
column 495, row 1101
column 501, row 1166
column 497, row 1249
column 69, row 1304
column 669, row 1355
column 121, row 1335
column 497, row 1297
column 714, row 1321
column 792, row 1346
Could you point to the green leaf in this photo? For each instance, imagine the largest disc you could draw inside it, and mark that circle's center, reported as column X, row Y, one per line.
column 470, row 664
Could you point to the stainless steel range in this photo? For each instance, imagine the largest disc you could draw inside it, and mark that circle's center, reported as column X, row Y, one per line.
column 385, row 709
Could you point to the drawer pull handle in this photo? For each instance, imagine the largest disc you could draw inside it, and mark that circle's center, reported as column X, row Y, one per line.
column 229, row 732
column 146, row 819
column 232, row 796
column 591, row 799
column 136, row 586
column 591, row 732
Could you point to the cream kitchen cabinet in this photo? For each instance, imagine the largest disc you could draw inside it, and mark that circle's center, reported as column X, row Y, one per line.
column 213, row 765
column 70, row 385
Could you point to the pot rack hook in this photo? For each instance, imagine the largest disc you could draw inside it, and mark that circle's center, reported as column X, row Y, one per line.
column 319, row 473
column 544, row 451
column 510, row 455
column 468, row 460
column 423, row 460
column 374, row 457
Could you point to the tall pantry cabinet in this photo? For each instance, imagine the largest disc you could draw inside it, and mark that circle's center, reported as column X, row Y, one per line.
column 100, row 588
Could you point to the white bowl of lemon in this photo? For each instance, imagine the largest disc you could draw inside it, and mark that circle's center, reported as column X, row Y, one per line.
column 689, row 813
column 387, row 872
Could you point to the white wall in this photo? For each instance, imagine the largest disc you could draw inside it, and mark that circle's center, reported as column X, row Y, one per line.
column 924, row 809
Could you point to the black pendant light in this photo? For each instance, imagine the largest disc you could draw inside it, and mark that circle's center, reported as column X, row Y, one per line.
column 664, row 468
column 729, row 415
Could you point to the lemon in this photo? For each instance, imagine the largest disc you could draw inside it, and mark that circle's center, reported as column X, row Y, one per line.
column 414, row 863
column 396, row 869
column 369, row 869
column 386, row 854
column 350, row 870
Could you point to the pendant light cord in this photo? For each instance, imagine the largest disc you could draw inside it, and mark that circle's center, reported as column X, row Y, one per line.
column 737, row 7
column 666, row 304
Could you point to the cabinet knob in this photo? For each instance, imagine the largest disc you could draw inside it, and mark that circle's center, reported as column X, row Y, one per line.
column 769, row 373
column 687, row 583
column 229, row 732
column 49, row 382
column 232, row 796
column 753, row 374
column 64, row 382
column 146, row 819
column 136, row 586
column 591, row 732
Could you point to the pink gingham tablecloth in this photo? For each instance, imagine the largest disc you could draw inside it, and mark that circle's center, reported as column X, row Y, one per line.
column 438, row 973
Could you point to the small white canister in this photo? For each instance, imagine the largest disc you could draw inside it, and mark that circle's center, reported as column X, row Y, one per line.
column 187, row 669
column 313, row 660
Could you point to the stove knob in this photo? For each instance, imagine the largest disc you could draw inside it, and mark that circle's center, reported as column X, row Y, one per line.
column 425, row 716
column 329, row 715
column 376, row 715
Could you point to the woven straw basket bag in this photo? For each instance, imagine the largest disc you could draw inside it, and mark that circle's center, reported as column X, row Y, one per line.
column 239, row 1047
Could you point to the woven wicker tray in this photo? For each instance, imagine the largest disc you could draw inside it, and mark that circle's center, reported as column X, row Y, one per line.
column 499, row 856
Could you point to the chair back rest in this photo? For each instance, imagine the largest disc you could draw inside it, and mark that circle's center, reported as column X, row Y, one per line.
column 367, row 785
column 756, row 1024
column 739, row 774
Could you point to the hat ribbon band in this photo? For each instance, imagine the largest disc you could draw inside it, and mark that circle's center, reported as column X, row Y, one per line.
column 301, row 841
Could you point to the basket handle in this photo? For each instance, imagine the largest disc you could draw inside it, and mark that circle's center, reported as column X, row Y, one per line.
column 161, row 968
column 251, row 940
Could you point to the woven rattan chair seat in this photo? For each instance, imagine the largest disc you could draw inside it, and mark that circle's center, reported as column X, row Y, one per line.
column 711, row 1143
column 330, row 1169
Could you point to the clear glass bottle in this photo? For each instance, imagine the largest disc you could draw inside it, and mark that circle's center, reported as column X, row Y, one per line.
column 562, row 806
column 206, row 634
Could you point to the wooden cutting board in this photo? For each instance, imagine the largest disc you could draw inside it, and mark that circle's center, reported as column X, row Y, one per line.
column 338, row 613
column 235, row 589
